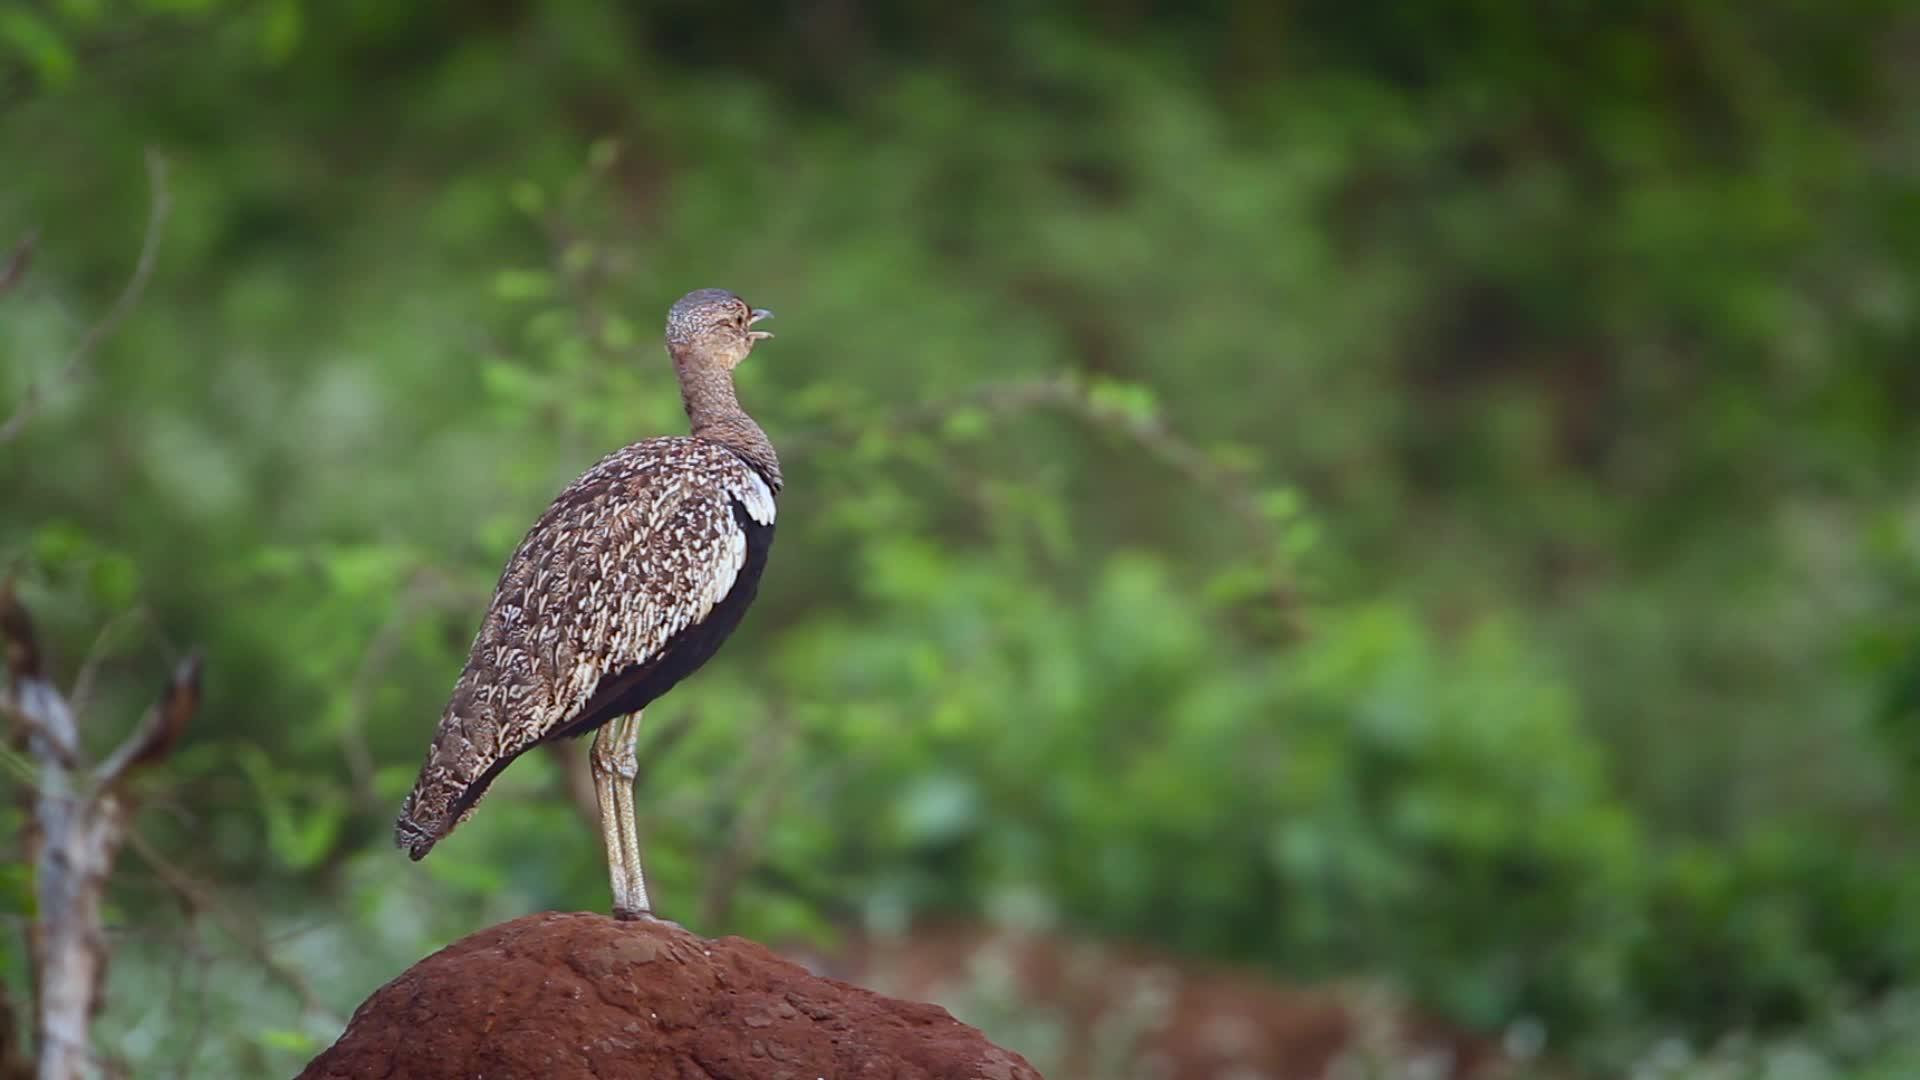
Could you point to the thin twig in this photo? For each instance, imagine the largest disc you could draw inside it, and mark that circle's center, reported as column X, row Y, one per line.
column 1150, row 433
column 203, row 899
column 576, row 779
column 22, row 646
column 13, row 1061
column 762, row 773
column 82, row 694
column 1008, row 396
column 203, row 962
column 426, row 590
column 76, row 822
column 160, row 205
column 160, row 729
column 17, row 262
column 42, row 719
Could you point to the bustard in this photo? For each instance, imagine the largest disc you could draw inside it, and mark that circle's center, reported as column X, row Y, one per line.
column 625, row 585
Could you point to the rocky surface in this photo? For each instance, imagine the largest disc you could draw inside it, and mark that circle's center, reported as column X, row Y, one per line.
column 573, row 996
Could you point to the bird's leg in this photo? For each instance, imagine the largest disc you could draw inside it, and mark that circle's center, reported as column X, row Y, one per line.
column 605, row 780
column 627, row 766
column 615, row 767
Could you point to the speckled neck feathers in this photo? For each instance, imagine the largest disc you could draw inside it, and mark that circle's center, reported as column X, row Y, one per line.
column 706, row 389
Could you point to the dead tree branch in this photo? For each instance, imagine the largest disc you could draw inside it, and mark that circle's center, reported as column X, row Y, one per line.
column 159, row 206
column 17, row 262
column 13, row 1060
column 77, row 822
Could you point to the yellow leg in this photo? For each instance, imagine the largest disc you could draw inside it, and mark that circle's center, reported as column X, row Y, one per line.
column 615, row 766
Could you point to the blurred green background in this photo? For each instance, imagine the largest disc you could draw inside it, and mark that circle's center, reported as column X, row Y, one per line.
column 1416, row 491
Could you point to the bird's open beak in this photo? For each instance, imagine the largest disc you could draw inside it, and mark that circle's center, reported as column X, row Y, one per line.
column 758, row 314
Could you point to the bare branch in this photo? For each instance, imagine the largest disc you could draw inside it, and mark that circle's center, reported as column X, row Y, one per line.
column 1149, row 432
column 159, row 206
column 13, row 1061
column 664, row 736
column 42, row 720
column 76, row 824
column 202, row 899
column 23, row 651
column 161, row 728
column 17, row 262
column 576, row 779
column 70, row 841
column 427, row 590
column 81, row 696
column 764, row 775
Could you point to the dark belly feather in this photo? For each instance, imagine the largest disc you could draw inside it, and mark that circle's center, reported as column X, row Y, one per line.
column 636, row 687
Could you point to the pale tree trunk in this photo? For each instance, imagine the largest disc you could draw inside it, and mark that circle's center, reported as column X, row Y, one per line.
column 77, row 821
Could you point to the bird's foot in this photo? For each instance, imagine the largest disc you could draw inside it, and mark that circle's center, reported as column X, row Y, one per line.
column 644, row 916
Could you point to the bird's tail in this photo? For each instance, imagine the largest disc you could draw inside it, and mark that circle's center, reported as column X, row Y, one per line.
column 416, row 832
column 443, row 796
column 420, row 825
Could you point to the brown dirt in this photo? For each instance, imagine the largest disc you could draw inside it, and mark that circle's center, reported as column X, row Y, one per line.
column 1107, row 1011
column 573, row 996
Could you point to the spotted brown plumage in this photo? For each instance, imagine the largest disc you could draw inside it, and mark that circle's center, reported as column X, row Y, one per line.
column 629, row 581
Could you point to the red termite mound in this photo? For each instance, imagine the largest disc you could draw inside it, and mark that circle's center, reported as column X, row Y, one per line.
column 573, row 996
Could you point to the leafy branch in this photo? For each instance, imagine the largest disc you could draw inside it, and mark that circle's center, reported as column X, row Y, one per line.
column 1127, row 411
column 159, row 207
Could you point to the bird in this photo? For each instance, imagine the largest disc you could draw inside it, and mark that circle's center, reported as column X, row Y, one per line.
column 628, row 582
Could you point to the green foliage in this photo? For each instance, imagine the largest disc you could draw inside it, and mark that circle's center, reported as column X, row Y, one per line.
column 1336, row 489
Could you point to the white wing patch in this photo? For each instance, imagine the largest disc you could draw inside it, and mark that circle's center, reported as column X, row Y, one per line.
column 756, row 496
column 639, row 548
column 681, row 559
column 729, row 554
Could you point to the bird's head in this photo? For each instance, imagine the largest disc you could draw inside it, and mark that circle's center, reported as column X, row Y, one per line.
column 714, row 326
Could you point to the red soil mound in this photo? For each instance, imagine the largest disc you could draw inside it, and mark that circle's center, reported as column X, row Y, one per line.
column 573, row 996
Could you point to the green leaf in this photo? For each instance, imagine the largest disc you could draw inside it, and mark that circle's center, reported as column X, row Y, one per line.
column 280, row 34
column 528, row 198
column 522, row 284
column 938, row 809
column 1279, row 504
column 59, row 543
column 83, row 12
column 393, row 781
column 17, row 896
column 618, row 332
column 299, row 836
column 36, row 41
column 508, row 382
column 1300, row 538
column 1133, row 402
column 114, row 580
column 965, row 424
column 297, row 1042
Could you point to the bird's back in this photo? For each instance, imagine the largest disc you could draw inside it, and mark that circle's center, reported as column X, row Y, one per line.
column 628, row 581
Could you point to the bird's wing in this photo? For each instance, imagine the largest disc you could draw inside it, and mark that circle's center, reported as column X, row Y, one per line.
column 676, row 582
column 630, row 557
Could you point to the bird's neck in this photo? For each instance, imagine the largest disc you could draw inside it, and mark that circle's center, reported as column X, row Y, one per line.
column 706, row 389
